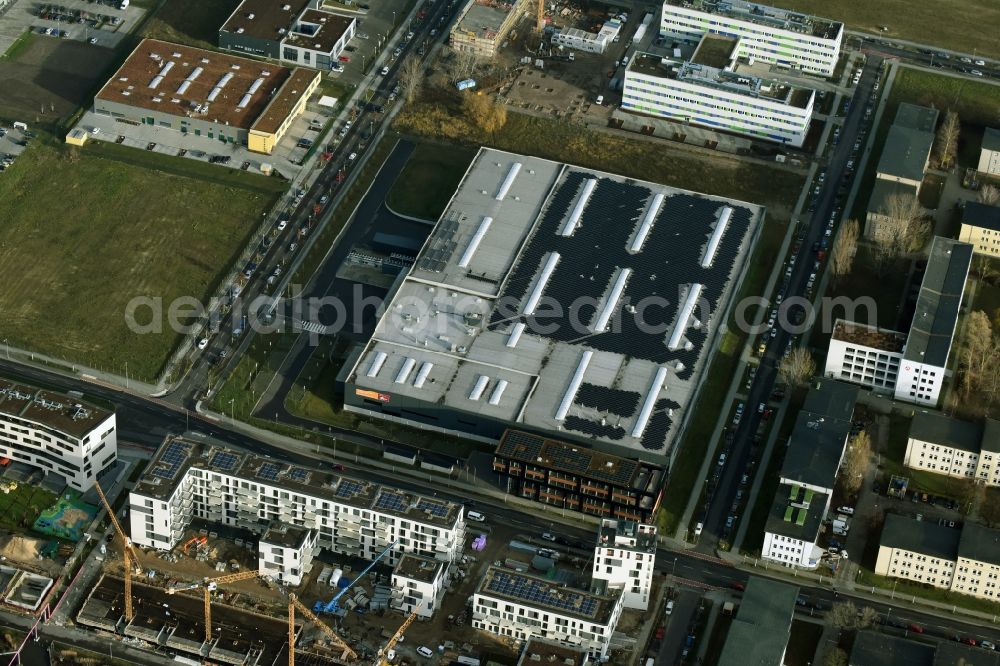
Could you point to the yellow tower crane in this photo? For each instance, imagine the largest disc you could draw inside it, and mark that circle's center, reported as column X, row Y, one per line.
column 540, row 20
column 348, row 655
column 128, row 553
column 209, row 585
column 383, row 658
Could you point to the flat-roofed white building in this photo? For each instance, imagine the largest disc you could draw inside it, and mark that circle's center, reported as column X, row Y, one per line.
column 981, row 228
column 769, row 34
column 589, row 42
column 865, row 355
column 285, row 553
column 419, row 585
column 188, row 480
column 494, row 328
column 526, row 607
column 989, row 155
column 56, row 433
column 623, row 560
column 718, row 98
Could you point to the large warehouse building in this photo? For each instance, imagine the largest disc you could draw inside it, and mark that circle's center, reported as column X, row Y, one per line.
column 206, row 93
column 570, row 302
column 297, row 32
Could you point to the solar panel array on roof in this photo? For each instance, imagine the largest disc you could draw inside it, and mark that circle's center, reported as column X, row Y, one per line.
column 299, row 474
column 171, row 460
column 515, row 585
column 568, row 457
column 391, row 501
column 348, row 488
column 655, row 435
column 441, row 246
column 614, row 401
column 224, row 461
column 269, row 472
column 594, row 428
column 434, row 508
column 591, row 257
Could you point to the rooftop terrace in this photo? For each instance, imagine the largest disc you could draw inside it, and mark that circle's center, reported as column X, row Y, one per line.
column 423, row 569
column 714, row 51
column 869, row 336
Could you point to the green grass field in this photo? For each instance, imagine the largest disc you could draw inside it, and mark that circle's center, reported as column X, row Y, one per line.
column 428, row 180
column 976, row 102
column 18, row 46
column 192, row 22
column 81, row 236
column 20, row 507
column 950, row 24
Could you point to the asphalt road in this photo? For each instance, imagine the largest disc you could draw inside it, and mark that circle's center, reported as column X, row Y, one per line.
column 741, row 451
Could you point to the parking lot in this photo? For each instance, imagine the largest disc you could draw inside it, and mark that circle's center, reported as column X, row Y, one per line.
column 12, row 143
column 100, row 24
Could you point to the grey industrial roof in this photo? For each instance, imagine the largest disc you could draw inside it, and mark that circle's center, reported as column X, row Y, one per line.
column 419, row 568
column 876, row 649
column 938, row 302
column 912, row 116
column 905, row 153
column 816, row 445
column 940, row 429
column 991, row 436
column 991, row 139
column 62, row 412
column 884, row 189
column 952, row 653
column 981, row 215
column 759, row 634
column 796, row 513
column 979, row 543
column 920, row 536
column 522, row 230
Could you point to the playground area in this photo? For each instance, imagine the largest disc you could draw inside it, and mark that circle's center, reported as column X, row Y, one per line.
column 67, row 519
column 21, row 504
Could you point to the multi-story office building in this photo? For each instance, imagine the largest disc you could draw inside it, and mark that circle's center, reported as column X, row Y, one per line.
column 419, row 585
column 961, row 449
column 623, row 560
column 808, row 475
column 286, row 552
column 912, row 367
column 705, row 91
column 768, row 34
column 963, row 559
column 483, row 25
column 989, row 155
column 526, row 607
column 187, row 481
column 572, row 477
column 981, row 228
column 865, row 355
column 59, row 434
column 298, row 32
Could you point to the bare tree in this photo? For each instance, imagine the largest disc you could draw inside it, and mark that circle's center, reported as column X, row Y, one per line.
column 797, row 368
column 411, row 77
column 485, row 112
column 977, row 351
column 845, row 247
column 946, row 141
column 856, row 459
column 844, row 615
column 989, row 195
column 867, row 617
column 462, row 65
column 900, row 229
column 988, row 268
column 835, row 657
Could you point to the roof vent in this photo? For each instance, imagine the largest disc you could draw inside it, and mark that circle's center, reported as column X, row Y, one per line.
column 251, row 16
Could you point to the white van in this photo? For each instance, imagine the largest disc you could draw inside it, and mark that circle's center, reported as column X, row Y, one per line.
column 476, row 516
column 846, row 510
column 600, row 100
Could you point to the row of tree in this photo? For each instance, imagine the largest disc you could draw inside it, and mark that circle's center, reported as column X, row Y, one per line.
column 979, row 357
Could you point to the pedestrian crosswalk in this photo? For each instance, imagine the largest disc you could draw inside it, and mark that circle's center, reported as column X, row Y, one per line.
column 309, row 326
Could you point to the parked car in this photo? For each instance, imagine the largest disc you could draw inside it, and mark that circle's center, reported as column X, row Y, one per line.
column 425, row 652
column 548, row 537
column 203, row 343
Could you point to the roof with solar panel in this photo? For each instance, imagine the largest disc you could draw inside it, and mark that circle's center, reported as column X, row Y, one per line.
column 172, row 462
column 474, row 328
column 544, row 594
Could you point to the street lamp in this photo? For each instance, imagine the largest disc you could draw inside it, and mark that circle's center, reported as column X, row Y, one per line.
column 394, row 18
column 673, row 571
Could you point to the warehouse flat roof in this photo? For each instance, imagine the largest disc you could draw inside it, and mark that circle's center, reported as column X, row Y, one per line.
column 287, row 96
column 820, row 434
column 318, row 30
column 920, row 536
column 59, row 411
column 869, row 336
column 287, row 536
column 905, row 153
column 763, row 624
column 546, row 595
column 565, row 299
column 913, row 116
column 941, row 429
column 703, row 73
column 264, row 19
column 938, row 302
column 178, row 456
column 772, row 17
column 196, row 83
column 981, row 215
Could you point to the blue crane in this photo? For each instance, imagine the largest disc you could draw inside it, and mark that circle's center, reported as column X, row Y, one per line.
column 332, row 606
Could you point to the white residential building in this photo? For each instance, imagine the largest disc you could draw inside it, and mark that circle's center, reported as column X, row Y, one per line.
column 623, row 560
column 419, row 585
column 714, row 96
column 780, row 36
column 588, row 42
column 59, row 434
column 865, row 355
column 349, row 516
column 793, row 526
column 526, row 607
column 285, row 553
column 989, row 155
